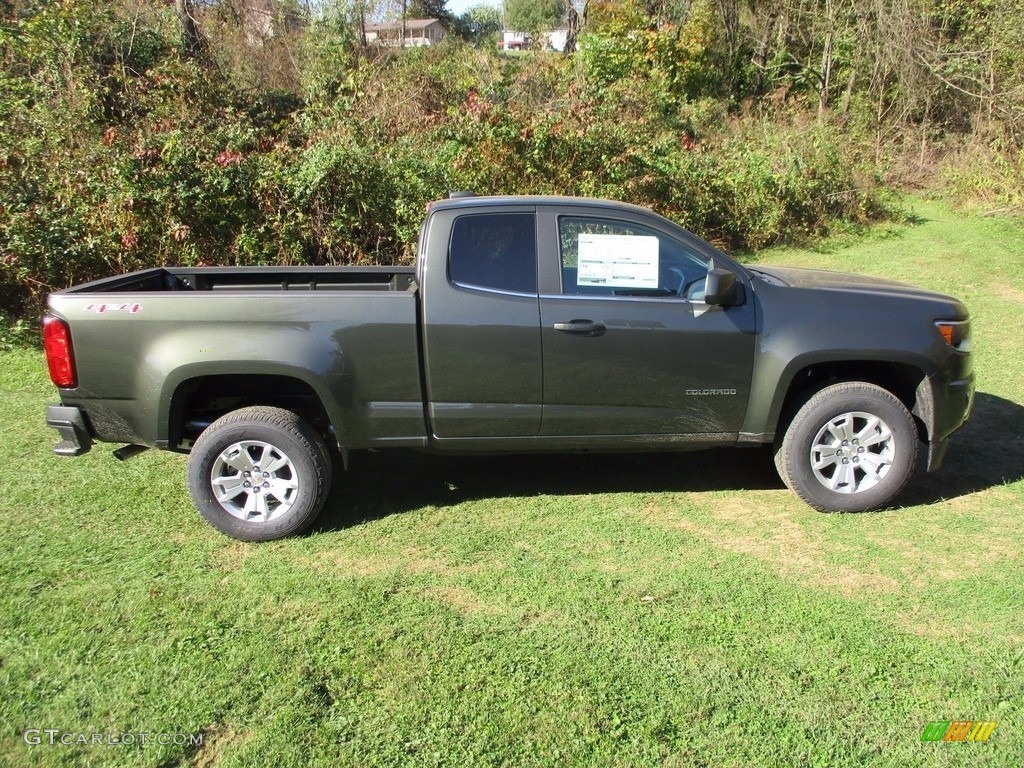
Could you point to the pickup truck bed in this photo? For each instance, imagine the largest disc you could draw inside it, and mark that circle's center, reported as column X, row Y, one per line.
column 192, row 336
column 167, row 279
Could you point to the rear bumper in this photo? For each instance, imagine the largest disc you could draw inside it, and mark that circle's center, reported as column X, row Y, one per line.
column 71, row 425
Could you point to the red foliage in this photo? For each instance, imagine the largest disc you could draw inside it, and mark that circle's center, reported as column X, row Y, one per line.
column 228, row 157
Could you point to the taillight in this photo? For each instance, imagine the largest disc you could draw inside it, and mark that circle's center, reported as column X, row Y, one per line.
column 59, row 357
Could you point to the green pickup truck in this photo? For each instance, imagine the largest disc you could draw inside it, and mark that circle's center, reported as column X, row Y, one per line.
column 528, row 324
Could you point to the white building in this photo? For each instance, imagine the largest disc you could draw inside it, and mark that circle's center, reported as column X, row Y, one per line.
column 555, row 40
column 514, row 41
column 418, row 32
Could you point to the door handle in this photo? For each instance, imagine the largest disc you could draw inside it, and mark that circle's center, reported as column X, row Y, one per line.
column 581, row 328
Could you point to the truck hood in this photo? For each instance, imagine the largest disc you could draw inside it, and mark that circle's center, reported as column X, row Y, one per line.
column 821, row 279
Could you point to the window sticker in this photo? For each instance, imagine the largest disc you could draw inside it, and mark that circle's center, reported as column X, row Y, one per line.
column 618, row 261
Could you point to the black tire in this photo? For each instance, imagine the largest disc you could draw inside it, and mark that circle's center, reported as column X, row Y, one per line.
column 851, row 447
column 259, row 503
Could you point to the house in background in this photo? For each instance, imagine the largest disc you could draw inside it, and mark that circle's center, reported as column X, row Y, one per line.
column 514, row 41
column 418, row 32
column 555, row 40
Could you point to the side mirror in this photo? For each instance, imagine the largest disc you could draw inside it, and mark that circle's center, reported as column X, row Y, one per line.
column 721, row 288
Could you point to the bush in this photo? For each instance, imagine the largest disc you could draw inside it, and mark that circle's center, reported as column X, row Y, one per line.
column 119, row 154
column 985, row 176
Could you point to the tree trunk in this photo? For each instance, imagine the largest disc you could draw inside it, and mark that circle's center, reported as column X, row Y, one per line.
column 825, row 77
column 573, row 23
column 191, row 40
column 764, row 48
column 729, row 11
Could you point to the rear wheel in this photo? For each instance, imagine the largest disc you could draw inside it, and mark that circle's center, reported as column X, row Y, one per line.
column 259, row 473
column 850, row 448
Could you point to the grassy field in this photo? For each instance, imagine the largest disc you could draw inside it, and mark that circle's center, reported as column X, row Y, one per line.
column 669, row 610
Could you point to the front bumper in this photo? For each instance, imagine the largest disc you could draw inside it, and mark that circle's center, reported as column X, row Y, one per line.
column 953, row 407
column 74, row 432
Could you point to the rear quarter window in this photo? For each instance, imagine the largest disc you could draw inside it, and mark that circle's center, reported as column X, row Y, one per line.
column 494, row 250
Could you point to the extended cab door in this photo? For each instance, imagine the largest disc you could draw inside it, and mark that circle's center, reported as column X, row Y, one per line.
column 481, row 322
column 629, row 346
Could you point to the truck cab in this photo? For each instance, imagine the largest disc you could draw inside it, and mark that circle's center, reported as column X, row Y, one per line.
column 584, row 324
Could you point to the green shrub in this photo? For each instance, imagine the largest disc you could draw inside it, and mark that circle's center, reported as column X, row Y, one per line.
column 988, row 177
column 118, row 154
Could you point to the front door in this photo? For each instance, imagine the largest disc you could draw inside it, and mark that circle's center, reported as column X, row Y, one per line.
column 629, row 346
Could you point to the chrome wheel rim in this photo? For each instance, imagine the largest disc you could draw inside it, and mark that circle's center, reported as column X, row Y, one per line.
column 853, row 452
column 254, row 481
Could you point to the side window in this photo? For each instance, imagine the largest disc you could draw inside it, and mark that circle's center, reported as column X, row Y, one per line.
column 494, row 250
column 604, row 257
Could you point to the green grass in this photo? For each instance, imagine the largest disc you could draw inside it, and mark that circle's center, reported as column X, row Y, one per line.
column 644, row 610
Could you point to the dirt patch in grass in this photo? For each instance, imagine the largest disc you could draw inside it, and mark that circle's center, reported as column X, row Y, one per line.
column 777, row 539
column 943, row 558
column 464, row 600
column 230, row 557
column 1009, row 293
column 218, row 739
column 779, row 532
column 924, row 621
column 764, row 529
column 409, row 561
column 923, row 567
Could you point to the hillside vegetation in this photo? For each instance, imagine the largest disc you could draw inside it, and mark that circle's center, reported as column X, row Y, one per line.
column 124, row 144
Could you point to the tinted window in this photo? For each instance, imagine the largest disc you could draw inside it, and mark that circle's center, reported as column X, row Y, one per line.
column 495, row 250
column 619, row 258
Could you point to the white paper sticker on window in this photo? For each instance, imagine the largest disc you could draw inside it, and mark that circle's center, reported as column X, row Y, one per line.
column 618, row 261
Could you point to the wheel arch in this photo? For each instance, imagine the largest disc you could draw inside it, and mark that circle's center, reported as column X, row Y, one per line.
column 906, row 381
column 197, row 401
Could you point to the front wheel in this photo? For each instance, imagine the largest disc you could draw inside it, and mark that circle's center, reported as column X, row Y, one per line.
column 259, row 473
column 850, row 448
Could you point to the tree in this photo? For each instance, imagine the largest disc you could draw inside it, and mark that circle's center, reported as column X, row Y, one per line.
column 479, row 22
column 573, row 22
column 533, row 16
column 191, row 39
column 430, row 9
